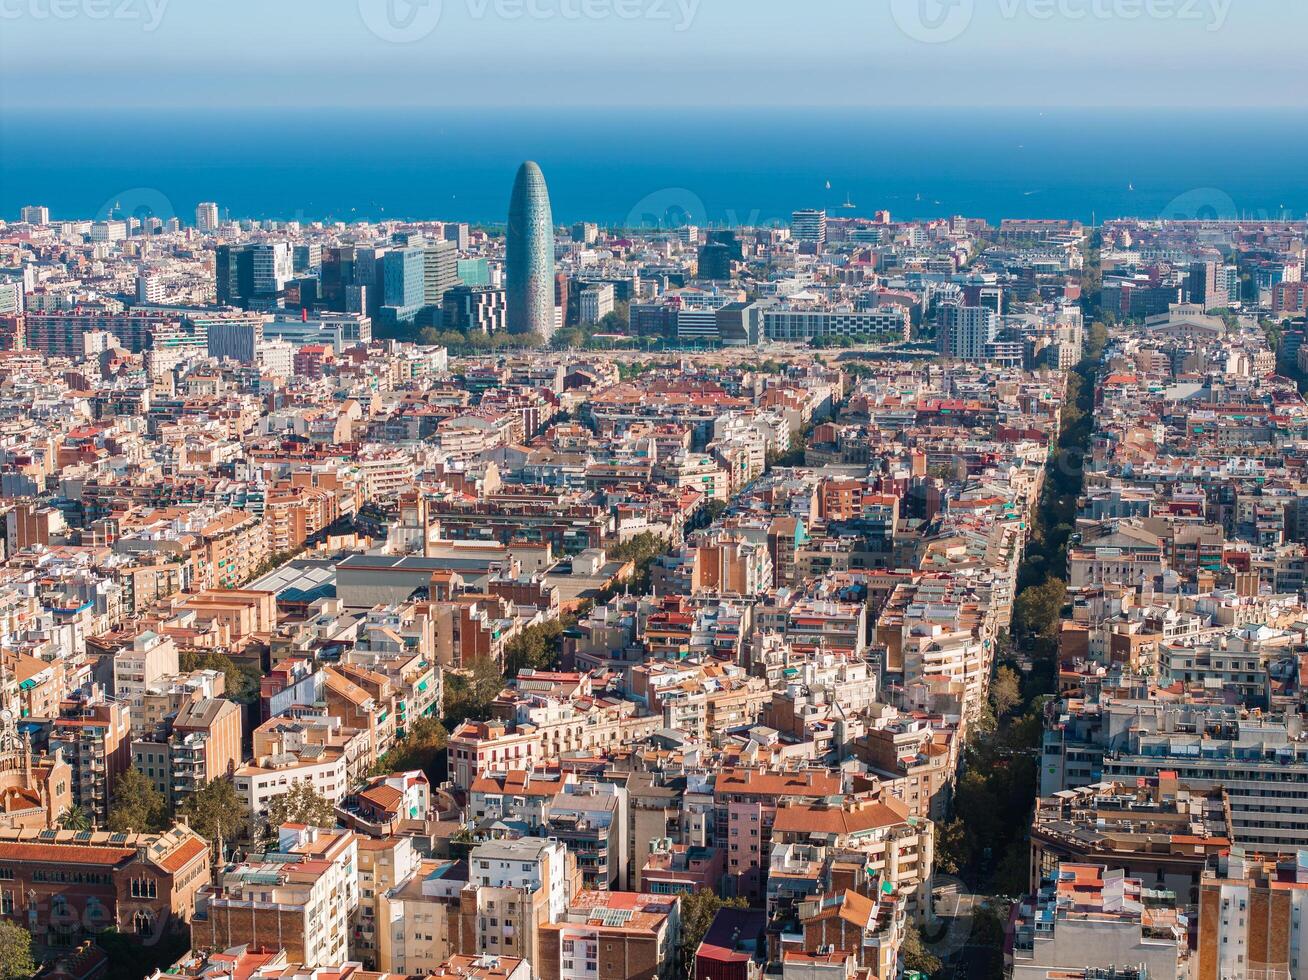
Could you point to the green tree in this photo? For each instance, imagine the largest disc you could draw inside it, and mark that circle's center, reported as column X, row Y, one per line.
column 569, row 338
column 536, row 647
column 242, row 679
column 15, row 951
column 984, row 725
column 1095, row 342
column 130, row 958
column 303, row 804
column 952, row 852
column 988, row 924
column 423, row 747
column 216, row 811
column 641, row 551
column 977, row 806
column 1005, row 691
column 697, row 913
column 470, row 691
column 713, row 510
column 916, row 955
column 429, row 337
column 1013, row 875
column 616, row 321
column 628, row 371
column 1039, row 609
column 137, row 805
column 794, row 454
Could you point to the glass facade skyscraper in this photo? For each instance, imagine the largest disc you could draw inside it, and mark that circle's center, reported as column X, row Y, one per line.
column 529, row 256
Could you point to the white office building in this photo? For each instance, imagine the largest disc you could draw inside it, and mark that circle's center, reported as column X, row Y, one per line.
column 596, row 302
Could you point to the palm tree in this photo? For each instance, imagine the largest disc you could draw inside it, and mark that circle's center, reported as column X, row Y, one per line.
column 75, row 818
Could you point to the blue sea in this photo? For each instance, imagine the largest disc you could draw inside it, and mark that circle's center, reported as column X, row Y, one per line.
column 651, row 167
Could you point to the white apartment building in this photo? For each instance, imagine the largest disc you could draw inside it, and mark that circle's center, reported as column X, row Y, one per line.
column 206, row 216
column 300, row 898
column 514, row 886
column 325, row 768
column 596, row 302
column 141, row 666
column 417, row 919
column 965, row 331
column 885, row 324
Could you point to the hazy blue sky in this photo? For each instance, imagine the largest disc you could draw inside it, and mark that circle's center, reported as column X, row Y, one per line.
column 89, row 53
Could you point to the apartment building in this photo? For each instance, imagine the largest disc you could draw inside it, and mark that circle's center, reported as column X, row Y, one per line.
column 300, row 898
column 514, row 889
column 623, row 935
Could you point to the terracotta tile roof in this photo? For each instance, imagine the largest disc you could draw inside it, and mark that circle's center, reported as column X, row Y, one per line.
column 748, row 782
column 385, row 797
column 846, row 820
column 183, row 854
column 63, row 853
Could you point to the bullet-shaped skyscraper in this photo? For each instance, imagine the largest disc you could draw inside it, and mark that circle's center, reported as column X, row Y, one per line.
column 529, row 255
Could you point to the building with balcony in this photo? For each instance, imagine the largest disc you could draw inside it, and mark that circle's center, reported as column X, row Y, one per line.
column 95, row 737
column 515, row 887
column 299, row 898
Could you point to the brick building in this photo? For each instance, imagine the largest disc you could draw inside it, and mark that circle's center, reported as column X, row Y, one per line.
column 61, row 885
column 299, row 898
column 615, row 935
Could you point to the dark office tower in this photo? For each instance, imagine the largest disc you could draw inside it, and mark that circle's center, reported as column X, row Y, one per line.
column 727, row 237
column 565, row 297
column 252, row 275
column 529, row 255
column 714, row 261
column 474, row 309
column 585, row 232
column 302, row 292
column 456, row 232
column 337, row 275
column 368, row 273
column 739, row 323
column 233, row 274
column 1203, row 286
